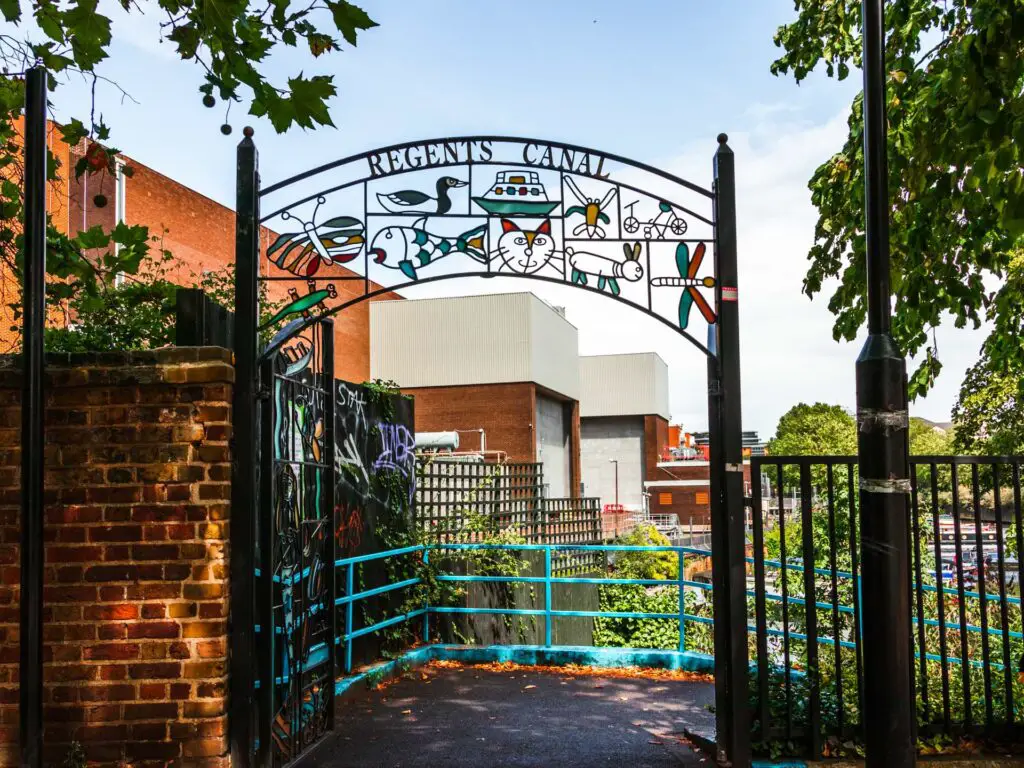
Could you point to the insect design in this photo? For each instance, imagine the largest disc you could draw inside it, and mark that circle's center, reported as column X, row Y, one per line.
column 525, row 250
column 688, row 279
column 335, row 241
column 591, row 210
column 606, row 270
column 412, row 248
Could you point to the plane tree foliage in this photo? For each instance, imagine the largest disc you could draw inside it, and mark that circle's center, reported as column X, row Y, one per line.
column 228, row 44
column 955, row 107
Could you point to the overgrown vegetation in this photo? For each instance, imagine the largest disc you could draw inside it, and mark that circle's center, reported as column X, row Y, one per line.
column 639, row 598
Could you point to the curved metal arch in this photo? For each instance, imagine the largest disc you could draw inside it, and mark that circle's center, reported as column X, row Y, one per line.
column 295, row 330
column 509, row 139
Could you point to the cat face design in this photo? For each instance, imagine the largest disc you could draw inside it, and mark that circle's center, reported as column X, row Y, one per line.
column 525, row 251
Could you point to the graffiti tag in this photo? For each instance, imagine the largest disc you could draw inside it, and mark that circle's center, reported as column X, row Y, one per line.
column 397, row 445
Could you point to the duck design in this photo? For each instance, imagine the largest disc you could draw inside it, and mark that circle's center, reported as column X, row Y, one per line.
column 414, row 201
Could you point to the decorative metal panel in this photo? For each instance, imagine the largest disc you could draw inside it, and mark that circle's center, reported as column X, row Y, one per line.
column 296, row 552
column 490, row 206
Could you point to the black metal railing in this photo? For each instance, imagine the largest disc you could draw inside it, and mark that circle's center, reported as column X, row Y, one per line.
column 966, row 568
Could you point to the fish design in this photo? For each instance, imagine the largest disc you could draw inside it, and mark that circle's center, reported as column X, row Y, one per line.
column 411, row 248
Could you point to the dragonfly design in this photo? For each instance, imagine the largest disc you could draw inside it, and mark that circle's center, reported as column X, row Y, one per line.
column 688, row 269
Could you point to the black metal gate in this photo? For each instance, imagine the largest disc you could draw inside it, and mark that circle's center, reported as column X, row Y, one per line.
column 294, row 585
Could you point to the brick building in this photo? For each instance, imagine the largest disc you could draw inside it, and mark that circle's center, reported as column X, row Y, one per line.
column 505, row 364
column 682, row 488
column 198, row 231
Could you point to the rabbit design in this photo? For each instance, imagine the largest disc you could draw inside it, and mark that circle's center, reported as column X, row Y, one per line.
column 605, row 269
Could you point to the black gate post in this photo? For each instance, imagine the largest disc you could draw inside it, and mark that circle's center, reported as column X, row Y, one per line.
column 244, row 459
column 30, row 669
column 728, row 533
column 882, row 451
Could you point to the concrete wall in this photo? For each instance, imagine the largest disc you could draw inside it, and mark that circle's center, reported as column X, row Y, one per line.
column 613, row 437
column 553, row 449
column 494, row 339
column 623, row 385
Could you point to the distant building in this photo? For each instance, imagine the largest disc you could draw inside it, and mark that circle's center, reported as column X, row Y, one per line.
column 502, row 369
column 624, row 416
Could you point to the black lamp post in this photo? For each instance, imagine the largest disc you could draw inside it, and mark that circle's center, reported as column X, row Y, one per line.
column 883, row 453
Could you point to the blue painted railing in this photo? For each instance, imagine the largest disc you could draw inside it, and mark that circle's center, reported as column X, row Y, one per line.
column 549, row 612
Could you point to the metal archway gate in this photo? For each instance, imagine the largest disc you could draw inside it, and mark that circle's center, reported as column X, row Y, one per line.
column 417, row 213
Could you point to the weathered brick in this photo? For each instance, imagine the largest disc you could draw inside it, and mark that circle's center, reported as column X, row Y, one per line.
column 155, row 671
column 122, row 612
column 148, row 732
column 107, row 693
column 135, row 533
column 154, row 630
column 112, row 651
column 154, row 711
column 116, row 533
column 204, row 747
column 152, row 691
column 195, row 629
column 197, row 670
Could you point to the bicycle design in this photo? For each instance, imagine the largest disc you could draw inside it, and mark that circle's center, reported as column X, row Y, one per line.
column 666, row 221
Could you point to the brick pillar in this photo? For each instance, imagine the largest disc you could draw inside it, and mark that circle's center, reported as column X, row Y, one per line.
column 136, row 596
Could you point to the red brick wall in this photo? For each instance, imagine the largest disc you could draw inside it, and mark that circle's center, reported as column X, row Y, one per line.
column 505, row 412
column 201, row 235
column 685, row 504
column 576, row 473
column 655, row 443
column 199, row 232
column 136, row 529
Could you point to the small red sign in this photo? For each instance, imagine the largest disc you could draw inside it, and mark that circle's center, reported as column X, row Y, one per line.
column 729, row 293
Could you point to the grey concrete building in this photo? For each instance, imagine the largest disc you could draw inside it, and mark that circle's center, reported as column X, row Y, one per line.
column 624, row 416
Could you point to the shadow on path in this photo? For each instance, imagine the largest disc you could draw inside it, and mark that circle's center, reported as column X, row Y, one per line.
column 472, row 716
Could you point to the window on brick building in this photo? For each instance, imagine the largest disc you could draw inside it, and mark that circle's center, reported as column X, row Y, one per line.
column 702, row 497
column 665, row 499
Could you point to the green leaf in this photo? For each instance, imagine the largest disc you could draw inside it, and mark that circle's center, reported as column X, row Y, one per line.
column 988, row 115
column 186, row 37
column 349, row 19
column 93, row 237
column 11, row 9
column 309, row 99
column 73, row 131
column 88, row 32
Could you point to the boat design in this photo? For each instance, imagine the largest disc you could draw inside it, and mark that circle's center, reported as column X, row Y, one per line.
column 516, row 193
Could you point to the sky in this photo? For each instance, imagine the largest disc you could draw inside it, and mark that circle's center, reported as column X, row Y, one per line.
column 652, row 80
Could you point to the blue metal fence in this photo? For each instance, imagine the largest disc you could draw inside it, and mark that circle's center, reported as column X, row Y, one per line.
column 548, row 612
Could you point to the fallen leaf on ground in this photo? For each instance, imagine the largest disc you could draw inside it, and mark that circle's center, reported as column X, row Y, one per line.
column 529, row 687
column 406, row 711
